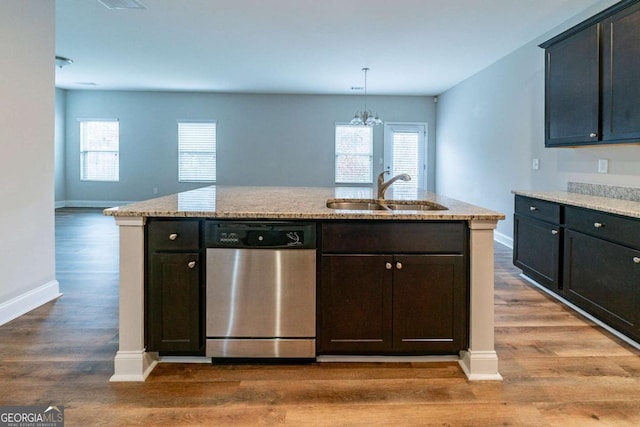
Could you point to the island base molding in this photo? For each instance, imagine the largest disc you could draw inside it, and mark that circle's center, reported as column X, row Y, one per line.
column 133, row 365
column 480, row 365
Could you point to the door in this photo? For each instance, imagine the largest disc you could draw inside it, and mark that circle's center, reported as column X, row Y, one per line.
column 429, row 304
column 537, row 250
column 602, row 278
column 405, row 152
column 173, row 306
column 355, row 295
column 573, row 89
column 621, row 62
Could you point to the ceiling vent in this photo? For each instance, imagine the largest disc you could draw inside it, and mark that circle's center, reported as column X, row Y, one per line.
column 122, row 4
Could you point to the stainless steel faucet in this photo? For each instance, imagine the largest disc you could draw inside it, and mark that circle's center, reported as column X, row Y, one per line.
column 382, row 186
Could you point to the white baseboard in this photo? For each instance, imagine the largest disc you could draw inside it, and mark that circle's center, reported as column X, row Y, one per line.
column 90, row 203
column 26, row 302
column 503, row 239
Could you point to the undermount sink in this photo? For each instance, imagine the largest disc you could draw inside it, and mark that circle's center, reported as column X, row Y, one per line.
column 384, row 205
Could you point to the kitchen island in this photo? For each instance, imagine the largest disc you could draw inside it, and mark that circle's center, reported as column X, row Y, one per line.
column 478, row 358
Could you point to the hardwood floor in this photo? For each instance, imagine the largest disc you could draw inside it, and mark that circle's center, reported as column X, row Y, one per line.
column 559, row 369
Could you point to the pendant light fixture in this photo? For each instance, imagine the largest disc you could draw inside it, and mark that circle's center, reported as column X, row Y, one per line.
column 365, row 117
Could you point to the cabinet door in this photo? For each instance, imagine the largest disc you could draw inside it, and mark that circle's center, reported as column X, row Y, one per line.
column 429, row 304
column 173, row 303
column 536, row 250
column 573, row 89
column 355, row 304
column 604, row 279
column 621, row 67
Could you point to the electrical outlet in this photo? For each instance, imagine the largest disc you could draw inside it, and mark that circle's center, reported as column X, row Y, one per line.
column 536, row 164
column 155, row 190
column 603, row 166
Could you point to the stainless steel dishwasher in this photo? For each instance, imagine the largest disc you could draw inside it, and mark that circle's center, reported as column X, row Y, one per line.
column 261, row 289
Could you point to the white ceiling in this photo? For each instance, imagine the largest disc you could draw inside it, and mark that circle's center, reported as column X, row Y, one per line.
column 413, row 47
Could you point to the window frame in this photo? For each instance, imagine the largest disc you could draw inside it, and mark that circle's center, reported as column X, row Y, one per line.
column 207, row 152
column 337, row 154
column 85, row 151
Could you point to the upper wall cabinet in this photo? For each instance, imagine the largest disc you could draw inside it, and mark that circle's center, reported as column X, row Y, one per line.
column 620, row 76
column 591, row 80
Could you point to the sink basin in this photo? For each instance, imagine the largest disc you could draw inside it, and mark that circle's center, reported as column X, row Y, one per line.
column 414, row 205
column 355, row 205
column 386, row 205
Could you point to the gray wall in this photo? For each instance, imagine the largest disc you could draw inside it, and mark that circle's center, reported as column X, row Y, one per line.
column 261, row 139
column 491, row 126
column 27, row 261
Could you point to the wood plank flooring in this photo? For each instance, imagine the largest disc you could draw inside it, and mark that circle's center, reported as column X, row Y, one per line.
column 559, row 369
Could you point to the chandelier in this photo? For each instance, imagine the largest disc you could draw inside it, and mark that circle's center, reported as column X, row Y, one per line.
column 365, row 117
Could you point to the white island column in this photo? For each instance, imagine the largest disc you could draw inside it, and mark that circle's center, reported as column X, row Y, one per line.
column 132, row 362
column 480, row 361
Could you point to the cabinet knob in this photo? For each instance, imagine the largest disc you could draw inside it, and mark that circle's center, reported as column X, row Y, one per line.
column 399, row 265
column 593, row 135
column 598, row 224
column 533, row 208
column 636, row 259
column 173, row 236
column 554, row 231
column 388, row 266
column 191, row 264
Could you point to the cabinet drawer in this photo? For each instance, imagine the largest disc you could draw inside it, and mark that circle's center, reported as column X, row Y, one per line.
column 539, row 209
column 394, row 237
column 168, row 235
column 604, row 225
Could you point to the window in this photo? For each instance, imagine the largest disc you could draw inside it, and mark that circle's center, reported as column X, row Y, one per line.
column 404, row 152
column 196, row 151
column 99, row 150
column 354, row 154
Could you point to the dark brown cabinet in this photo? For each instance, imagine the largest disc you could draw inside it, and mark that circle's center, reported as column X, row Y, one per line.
column 393, row 303
column 537, row 240
column 602, row 267
column 593, row 260
column 591, row 88
column 620, row 71
column 573, row 89
column 174, row 287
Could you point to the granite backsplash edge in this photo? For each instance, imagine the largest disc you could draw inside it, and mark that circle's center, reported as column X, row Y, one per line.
column 602, row 190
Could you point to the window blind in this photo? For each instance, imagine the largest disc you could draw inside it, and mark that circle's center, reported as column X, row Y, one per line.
column 354, row 154
column 99, row 150
column 196, row 151
column 406, row 158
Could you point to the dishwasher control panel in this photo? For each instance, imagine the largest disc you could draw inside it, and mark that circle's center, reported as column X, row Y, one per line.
column 260, row 234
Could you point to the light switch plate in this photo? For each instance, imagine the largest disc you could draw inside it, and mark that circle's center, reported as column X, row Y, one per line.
column 535, row 164
column 603, row 166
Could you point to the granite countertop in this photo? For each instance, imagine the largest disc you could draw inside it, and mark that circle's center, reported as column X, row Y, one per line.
column 604, row 204
column 219, row 201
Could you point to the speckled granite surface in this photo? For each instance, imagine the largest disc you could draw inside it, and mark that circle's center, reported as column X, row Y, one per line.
column 294, row 203
column 604, row 204
column 611, row 191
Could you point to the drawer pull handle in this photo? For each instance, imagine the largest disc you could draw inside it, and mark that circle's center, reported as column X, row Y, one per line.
column 533, row 208
column 636, row 259
column 593, row 135
column 173, row 236
column 598, row 224
column 191, row 264
column 388, row 266
column 399, row 265
column 554, row 231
